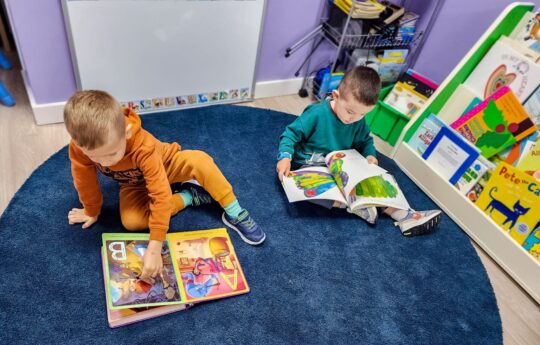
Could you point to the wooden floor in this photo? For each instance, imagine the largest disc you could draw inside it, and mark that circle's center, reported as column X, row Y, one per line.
column 24, row 146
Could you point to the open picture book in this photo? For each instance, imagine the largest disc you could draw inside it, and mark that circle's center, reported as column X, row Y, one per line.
column 197, row 266
column 347, row 178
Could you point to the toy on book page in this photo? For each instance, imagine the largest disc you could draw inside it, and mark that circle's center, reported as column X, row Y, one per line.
column 381, row 190
column 496, row 123
column 348, row 167
column 207, row 264
column 512, row 199
column 312, row 183
column 122, row 317
column 123, row 264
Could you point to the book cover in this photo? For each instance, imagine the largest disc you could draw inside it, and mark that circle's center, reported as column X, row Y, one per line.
column 122, row 317
column 532, row 244
column 513, row 154
column 504, row 65
column 207, row 264
column 532, row 106
column 496, row 123
column 418, row 82
column 405, row 99
column 472, row 175
column 512, row 199
column 425, row 133
column 527, row 32
column 530, row 163
column 450, row 155
column 457, row 103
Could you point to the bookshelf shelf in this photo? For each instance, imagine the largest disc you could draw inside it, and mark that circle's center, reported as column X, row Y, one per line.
column 513, row 258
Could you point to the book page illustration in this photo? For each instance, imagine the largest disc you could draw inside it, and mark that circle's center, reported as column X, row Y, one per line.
column 378, row 191
column 313, row 183
column 124, row 266
column 207, row 264
column 349, row 168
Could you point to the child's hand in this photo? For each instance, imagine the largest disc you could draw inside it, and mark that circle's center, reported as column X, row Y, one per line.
column 77, row 215
column 152, row 262
column 283, row 168
column 372, row 160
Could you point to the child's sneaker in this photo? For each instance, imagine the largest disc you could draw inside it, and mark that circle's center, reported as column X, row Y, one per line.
column 419, row 222
column 246, row 227
column 369, row 214
column 199, row 194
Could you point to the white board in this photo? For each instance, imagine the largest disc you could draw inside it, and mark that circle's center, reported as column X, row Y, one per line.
column 155, row 55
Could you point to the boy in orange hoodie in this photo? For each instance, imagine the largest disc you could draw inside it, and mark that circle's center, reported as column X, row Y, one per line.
column 110, row 139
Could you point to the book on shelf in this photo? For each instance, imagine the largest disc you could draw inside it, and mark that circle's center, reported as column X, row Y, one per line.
column 515, row 153
column 450, row 155
column 472, row 175
column 405, row 99
column 532, row 106
column 418, row 82
column 425, row 133
column 198, row 266
column 532, row 244
column 496, row 123
column 511, row 198
column 530, row 163
column 527, row 32
column 347, row 178
column 505, row 64
column 458, row 103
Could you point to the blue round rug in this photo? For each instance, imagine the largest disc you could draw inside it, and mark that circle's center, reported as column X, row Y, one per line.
column 321, row 277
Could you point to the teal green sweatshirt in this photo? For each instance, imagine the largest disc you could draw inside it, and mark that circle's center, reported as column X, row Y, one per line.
column 319, row 130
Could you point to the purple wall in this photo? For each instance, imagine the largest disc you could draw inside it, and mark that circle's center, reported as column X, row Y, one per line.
column 42, row 43
column 38, row 26
column 459, row 25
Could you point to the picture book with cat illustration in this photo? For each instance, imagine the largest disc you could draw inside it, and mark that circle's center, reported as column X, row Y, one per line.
column 496, row 123
column 197, row 266
column 347, row 178
column 511, row 198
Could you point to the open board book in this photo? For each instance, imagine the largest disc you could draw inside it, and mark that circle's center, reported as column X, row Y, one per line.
column 197, row 266
column 347, row 178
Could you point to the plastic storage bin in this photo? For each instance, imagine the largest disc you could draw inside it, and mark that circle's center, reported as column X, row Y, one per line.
column 386, row 122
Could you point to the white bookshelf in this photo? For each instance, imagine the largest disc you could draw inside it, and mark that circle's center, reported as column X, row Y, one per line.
column 512, row 257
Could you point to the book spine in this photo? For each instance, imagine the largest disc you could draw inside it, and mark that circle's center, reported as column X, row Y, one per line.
column 423, row 79
column 483, row 105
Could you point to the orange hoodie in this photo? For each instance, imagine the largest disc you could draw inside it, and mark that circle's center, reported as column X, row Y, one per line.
column 143, row 164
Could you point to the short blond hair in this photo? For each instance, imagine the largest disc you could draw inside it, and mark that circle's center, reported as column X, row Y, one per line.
column 91, row 116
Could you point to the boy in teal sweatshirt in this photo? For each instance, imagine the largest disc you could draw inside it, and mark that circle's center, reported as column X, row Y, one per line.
column 339, row 124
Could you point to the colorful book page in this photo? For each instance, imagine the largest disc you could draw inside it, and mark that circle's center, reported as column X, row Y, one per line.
column 124, row 253
column 207, row 264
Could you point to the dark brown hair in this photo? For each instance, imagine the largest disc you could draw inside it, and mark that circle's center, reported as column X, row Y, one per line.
column 363, row 83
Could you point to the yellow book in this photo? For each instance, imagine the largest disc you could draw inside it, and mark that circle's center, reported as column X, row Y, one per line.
column 531, row 162
column 512, row 199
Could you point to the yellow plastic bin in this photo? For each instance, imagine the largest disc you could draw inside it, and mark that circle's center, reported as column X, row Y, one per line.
column 386, row 122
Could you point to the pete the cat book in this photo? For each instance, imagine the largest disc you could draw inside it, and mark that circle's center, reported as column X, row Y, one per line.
column 512, row 199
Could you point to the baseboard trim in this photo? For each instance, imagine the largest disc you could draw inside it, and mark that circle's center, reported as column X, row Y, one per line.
column 48, row 113
column 274, row 88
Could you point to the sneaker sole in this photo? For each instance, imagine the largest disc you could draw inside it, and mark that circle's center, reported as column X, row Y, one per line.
column 424, row 228
column 240, row 233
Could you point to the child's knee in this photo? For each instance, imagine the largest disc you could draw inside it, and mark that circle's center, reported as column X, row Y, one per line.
column 200, row 157
column 133, row 220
